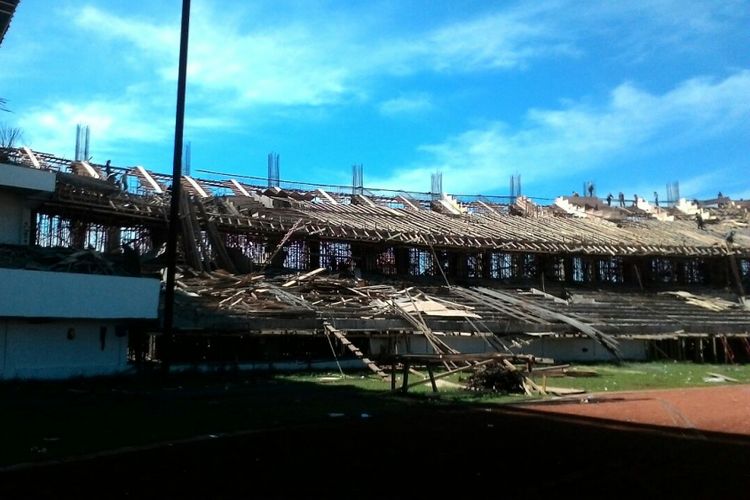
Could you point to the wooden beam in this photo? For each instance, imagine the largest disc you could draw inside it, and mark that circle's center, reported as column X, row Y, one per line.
column 238, row 188
column 90, row 170
column 151, row 183
column 196, row 187
column 32, row 157
column 303, row 277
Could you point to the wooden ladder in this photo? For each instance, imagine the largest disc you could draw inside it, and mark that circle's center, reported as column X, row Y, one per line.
column 355, row 350
column 728, row 353
column 746, row 345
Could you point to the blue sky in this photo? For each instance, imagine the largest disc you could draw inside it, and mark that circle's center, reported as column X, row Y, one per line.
column 631, row 95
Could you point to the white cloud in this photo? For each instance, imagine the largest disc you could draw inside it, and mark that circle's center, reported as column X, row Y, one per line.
column 555, row 143
column 318, row 58
column 319, row 61
column 502, row 40
column 52, row 128
column 290, row 64
column 405, row 105
column 645, row 27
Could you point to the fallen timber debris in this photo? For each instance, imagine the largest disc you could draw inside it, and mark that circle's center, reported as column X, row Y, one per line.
column 605, row 340
column 355, row 350
column 710, row 303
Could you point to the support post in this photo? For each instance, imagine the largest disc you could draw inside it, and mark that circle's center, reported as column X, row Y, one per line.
column 176, row 181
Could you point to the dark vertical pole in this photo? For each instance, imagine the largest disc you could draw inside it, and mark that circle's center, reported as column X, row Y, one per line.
column 174, row 211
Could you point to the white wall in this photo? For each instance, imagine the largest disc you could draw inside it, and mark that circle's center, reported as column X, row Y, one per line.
column 42, row 294
column 584, row 349
column 417, row 344
column 44, row 351
column 20, row 189
column 33, row 179
column 15, row 219
column 559, row 349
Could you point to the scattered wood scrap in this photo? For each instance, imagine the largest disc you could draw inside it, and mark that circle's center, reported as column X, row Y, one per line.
column 303, row 277
column 580, row 372
column 505, row 377
column 341, row 336
column 711, row 303
column 65, row 259
column 720, row 377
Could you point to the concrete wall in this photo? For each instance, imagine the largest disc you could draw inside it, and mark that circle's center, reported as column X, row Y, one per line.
column 13, row 176
column 417, row 344
column 42, row 294
column 559, row 349
column 60, row 349
column 15, row 219
column 21, row 188
column 584, row 349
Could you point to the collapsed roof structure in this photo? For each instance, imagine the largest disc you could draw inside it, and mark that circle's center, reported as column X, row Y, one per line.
column 272, row 273
column 7, row 9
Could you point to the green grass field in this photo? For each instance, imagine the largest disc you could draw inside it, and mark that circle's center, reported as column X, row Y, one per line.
column 609, row 377
column 56, row 419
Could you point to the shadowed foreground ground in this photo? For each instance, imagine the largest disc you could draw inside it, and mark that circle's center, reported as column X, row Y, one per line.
column 407, row 449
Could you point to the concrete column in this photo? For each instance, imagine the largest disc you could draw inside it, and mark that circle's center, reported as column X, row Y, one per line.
column 402, row 260
column 313, row 254
column 78, row 230
column 487, row 264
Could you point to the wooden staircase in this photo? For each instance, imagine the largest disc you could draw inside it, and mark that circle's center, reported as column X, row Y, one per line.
column 355, row 350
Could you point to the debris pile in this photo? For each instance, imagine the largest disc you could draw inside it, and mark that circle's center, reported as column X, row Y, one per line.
column 312, row 293
column 496, row 378
column 59, row 259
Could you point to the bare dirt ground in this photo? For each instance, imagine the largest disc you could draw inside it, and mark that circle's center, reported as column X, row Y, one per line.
column 696, row 411
column 687, row 443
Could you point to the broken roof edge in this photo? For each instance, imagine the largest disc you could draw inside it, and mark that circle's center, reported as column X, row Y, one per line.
column 456, row 200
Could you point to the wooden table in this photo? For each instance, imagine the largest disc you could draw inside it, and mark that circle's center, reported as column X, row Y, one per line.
column 430, row 360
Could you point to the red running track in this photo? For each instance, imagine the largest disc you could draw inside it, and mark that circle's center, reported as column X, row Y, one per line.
column 724, row 409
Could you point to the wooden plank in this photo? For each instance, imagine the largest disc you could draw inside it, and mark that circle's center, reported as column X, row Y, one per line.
column 303, row 277
column 281, row 243
column 607, row 341
column 90, row 170
column 355, row 350
column 32, row 157
column 190, row 248
column 326, row 197
column 238, row 188
column 432, row 378
column 196, row 187
column 217, row 242
column 407, row 202
column 151, row 183
column 719, row 375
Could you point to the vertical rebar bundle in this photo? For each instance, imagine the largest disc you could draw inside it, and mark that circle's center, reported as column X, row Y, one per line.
column 515, row 187
column 273, row 169
column 83, row 136
column 673, row 193
column 186, row 160
column 437, row 185
column 357, row 179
